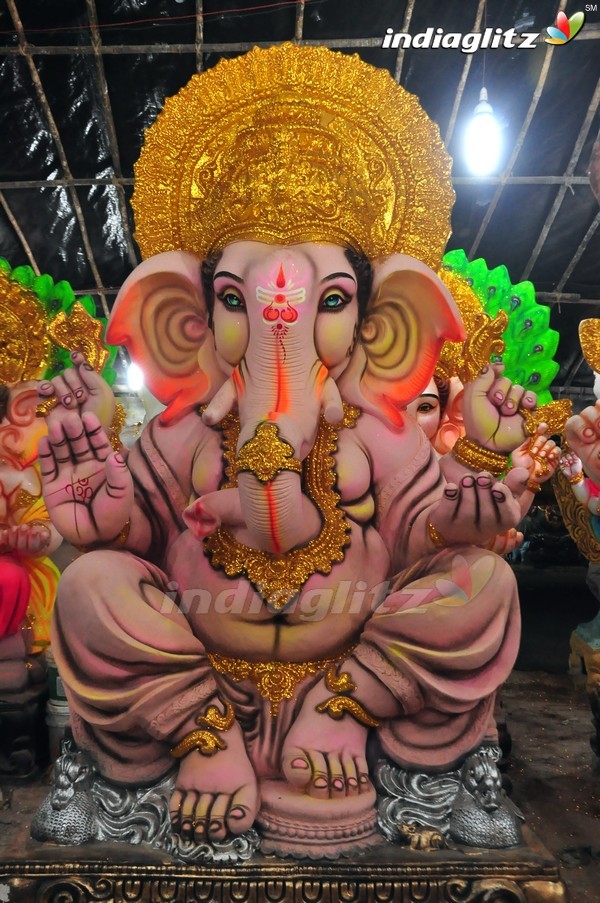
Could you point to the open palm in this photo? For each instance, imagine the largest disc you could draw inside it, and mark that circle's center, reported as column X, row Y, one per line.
column 88, row 489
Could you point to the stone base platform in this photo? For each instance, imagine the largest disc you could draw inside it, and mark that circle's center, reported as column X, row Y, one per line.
column 387, row 873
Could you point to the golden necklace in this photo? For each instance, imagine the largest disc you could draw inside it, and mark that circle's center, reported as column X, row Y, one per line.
column 278, row 578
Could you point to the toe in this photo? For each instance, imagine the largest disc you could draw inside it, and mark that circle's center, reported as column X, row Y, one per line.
column 350, row 775
column 216, row 826
column 362, row 770
column 187, row 815
column 175, row 809
column 204, row 803
column 242, row 811
column 319, row 786
column 337, row 779
column 296, row 768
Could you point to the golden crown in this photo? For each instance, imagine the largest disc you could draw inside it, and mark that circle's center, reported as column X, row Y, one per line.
column 293, row 144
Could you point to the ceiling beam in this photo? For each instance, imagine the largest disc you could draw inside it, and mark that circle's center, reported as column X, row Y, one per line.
column 43, row 100
column 581, row 138
column 463, row 78
column 19, row 233
column 110, row 130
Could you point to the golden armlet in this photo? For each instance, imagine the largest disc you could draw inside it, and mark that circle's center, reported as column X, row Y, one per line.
column 337, row 706
column 205, row 740
column 478, row 458
column 266, row 455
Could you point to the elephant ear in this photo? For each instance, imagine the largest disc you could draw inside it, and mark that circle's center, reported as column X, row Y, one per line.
column 160, row 315
column 410, row 315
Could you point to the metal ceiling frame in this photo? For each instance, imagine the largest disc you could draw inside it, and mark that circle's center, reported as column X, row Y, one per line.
column 98, row 49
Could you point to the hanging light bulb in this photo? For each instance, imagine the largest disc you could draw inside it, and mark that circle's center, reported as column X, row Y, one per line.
column 482, row 138
column 135, row 378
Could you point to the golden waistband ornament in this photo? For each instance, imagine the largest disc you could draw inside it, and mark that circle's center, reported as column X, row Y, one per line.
column 274, row 681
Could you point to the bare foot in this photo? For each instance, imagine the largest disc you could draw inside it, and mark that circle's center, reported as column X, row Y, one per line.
column 323, row 757
column 215, row 795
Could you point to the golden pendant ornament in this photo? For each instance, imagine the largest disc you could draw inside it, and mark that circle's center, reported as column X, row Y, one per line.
column 278, row 578
column 576, row 515
column 276, row 680
column 290, row 144
column 266, row 454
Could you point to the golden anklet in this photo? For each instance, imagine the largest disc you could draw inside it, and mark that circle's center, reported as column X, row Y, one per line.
column 206, row 741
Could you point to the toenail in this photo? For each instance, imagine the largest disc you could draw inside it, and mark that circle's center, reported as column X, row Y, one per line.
column 215, row 824
column 237, row 812
column 352, row 782
column 364, row 779
column 337, row 784
column 321, row 783
column 499, row 395
column 299, row 763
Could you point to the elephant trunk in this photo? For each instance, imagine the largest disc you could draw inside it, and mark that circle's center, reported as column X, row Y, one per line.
column 282, row 383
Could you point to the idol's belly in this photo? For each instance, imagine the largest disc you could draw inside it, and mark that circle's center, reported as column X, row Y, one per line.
column 325, row 617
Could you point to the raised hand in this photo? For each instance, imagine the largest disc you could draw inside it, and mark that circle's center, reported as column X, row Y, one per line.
column 78, row 389
column 88, row 489
column 477, row 508
column 571, row 465
column 493, row 409
column 539, row 456
column 582, row 432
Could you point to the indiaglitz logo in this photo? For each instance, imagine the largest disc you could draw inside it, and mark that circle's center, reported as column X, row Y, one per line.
column 490, row 38
column 565, row 29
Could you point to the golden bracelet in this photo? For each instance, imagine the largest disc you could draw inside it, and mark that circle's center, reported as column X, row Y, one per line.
column 578, row 478
column 206, row 741
column 436, row 538
column 118, row 541
column 266, row 455
column 533, row 487
column 478, row 458
column 337, row 706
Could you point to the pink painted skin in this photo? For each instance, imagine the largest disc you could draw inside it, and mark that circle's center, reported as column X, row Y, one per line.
column 390, row 488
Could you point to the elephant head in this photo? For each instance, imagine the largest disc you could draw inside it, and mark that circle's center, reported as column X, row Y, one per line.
column 284, row 334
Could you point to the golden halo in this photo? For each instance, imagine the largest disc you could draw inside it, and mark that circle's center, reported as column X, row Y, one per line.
column 294, row 144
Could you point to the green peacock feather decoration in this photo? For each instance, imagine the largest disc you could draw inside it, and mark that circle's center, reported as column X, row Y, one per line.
column 49, row 321
column 530, row 343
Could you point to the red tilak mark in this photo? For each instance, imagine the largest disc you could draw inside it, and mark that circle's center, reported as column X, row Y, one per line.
column 289, row 315
column 279, row 298
column 271, row 314
column 273, row 519
column 280, row 283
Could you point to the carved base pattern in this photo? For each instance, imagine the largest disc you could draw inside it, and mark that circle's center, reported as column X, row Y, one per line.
column 383, row 875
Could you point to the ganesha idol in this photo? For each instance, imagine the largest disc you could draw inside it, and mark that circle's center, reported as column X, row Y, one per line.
column 281, row 568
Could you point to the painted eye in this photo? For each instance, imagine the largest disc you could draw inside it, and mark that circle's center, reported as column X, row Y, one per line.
column 334, row 299
column 232, row 300
column 425, row 407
